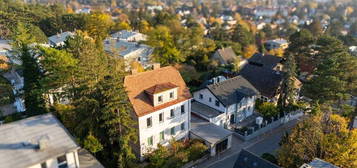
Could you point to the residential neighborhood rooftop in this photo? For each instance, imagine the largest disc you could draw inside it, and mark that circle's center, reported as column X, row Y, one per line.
column 248, row 159
column 264, row 60
column 20, row 141
column 137, row 84
column 160, row 88
column 267, row 81
column 59, row 38
column 232, row 90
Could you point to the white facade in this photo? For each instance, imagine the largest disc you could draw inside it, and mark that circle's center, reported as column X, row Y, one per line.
column 71, row 161
column 168, row 122
column 232, row 114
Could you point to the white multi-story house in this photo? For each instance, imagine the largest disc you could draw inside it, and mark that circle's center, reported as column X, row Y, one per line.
column 226, row 102
column 162, row 107
column 37, row 142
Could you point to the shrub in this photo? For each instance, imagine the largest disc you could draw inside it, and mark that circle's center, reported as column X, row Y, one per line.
column 92, row 144
column 196, row 150
column 268, row 109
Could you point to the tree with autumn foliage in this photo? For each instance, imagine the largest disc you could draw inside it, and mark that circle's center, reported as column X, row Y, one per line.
column 325, row 136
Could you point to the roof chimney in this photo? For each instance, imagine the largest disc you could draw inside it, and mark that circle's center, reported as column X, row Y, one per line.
column 156, row 66
column 42, row 143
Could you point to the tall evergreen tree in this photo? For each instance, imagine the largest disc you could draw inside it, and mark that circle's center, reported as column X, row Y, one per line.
column 242, row 36
column 288, row 91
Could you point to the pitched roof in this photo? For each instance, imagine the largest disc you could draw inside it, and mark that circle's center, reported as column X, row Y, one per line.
column 138, row 83
column 227, row 54
column 247, row 159
column 19, row 141
column 267, row 81
column 160, row 88
column 232, row 90
column 58, row 38
column 267, row 61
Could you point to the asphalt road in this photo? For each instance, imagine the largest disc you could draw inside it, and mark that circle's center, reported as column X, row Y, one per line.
column 268, row 143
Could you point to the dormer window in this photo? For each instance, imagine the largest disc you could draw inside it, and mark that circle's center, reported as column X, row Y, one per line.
column 159, row 99
column 171, row 95
column 201, row 96
column 162, row 93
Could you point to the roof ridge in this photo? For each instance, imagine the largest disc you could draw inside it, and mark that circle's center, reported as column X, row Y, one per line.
column 145, row 72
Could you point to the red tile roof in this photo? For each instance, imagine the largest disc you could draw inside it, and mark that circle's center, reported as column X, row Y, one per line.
column 160, row 88
column 137, row 84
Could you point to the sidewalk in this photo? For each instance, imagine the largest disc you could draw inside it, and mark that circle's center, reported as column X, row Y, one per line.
column 228, row 157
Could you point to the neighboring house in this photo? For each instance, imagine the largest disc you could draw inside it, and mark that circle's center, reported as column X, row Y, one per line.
column 267, row 61
column 276, row 43
column 84, row 10
column 59, row 39
column 130, row 51
column 37, row 142
column 226, row 56
column 318, row 163
column 267, row 81
column 248, row 159
column 4, row 47
column 227, row 102
column 130, row 36
column 162, row 106
column 353, row 50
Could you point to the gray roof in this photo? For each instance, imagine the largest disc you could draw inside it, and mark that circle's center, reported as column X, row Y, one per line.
column 247, row 159
column 59, row 38
column 318, row 163
column 125, row 34
column 267, row 61
column 232, row 90
column 204, row 110
column 128, row 48
column 86, row 160
column 267, row 81
column 19, row 141
column 227, row 54
column 211, row 133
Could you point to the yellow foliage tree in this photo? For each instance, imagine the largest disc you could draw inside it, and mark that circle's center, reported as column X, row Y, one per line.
column 249, row 51
column 321, row 136
column 277, row 52
column 135, row 65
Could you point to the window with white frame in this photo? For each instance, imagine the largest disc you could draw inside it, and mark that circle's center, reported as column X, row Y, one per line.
column 150, row 140
column 201, row 96
column 172, row 131
column 182, row 109
column 162, row 135
column 159, row 99
column 172, row 113
column 62, row 162
column 183, row 126
column 171, row 95
column 161, row 117
column 149, row 122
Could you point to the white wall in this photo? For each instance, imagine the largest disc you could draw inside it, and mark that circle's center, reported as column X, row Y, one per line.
column 165, row 97
column 206, row 95
column 72, row 161
column 166, row 125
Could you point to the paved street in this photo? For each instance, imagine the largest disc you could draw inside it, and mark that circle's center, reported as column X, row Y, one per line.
column 267, row 142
